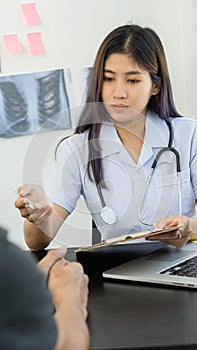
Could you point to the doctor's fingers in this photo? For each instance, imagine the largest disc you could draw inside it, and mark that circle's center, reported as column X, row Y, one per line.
column 182, row 233
column 177, row 242
column 37, row 216
column 174, row 220
column 178, row 238
column 20, row 203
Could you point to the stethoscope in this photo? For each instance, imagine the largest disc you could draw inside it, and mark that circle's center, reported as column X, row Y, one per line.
column 108, row 214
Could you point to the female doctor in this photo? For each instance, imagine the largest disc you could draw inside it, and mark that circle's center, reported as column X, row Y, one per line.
column 132, row 157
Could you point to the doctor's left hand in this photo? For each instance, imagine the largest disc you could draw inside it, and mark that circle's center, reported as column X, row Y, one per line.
column 176, row 238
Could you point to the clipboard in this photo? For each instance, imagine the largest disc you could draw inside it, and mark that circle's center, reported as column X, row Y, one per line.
column 129, row 237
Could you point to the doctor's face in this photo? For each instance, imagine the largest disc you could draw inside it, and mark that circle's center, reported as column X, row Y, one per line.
column 126, row 87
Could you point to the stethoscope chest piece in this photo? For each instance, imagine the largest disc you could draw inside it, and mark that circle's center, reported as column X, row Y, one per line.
column 108, row 215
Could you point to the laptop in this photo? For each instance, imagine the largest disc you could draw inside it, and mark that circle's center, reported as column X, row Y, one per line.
column 167, row 265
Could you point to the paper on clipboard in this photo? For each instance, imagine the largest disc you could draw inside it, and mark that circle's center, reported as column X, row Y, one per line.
column 129, row 237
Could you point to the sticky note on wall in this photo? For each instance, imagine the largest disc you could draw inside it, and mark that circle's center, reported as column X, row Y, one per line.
column 35, row 43
column 12, row 43
column 30, row 13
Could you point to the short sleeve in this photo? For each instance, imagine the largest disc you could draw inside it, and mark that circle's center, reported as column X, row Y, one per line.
column 193, row 164
column 26, row 317
column 63, row 183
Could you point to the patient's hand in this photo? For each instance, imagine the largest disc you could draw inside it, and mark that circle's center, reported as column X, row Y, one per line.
column 69, row 286
column 51, row 258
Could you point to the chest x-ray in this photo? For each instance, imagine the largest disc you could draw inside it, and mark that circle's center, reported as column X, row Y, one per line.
column 34, row 102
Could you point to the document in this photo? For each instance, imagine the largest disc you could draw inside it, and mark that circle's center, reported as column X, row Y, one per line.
column 130, row 237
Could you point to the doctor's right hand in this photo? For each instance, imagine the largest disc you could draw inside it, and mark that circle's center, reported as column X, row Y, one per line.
column 33, row 204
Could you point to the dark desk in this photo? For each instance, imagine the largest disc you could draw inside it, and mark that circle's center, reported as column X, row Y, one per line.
column 127, row 315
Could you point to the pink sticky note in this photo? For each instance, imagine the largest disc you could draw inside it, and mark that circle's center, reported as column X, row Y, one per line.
column 30, row 13
column 12, row 43
column 35, row 43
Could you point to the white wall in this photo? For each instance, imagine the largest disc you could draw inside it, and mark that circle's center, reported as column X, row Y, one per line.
column 72, row 32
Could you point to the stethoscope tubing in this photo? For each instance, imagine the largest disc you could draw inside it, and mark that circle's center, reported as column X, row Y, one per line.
column 165, row 149
column 108, row 214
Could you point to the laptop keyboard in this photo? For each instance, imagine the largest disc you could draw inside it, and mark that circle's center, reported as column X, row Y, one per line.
column 187, row 268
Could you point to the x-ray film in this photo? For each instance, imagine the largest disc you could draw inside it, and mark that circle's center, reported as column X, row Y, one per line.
column 34, row 102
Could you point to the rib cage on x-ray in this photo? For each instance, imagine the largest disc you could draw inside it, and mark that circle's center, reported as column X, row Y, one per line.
column 15, row 108
column 33, row 102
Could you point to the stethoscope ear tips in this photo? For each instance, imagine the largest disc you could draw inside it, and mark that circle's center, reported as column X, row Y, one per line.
column 108, row 215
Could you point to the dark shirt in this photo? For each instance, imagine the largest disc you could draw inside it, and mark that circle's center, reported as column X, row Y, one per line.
column 26, row 310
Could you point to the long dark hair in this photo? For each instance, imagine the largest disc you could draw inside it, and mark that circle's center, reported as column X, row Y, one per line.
column 145, row 47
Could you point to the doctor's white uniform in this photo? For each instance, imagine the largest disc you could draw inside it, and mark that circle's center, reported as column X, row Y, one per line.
column 125, row 181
